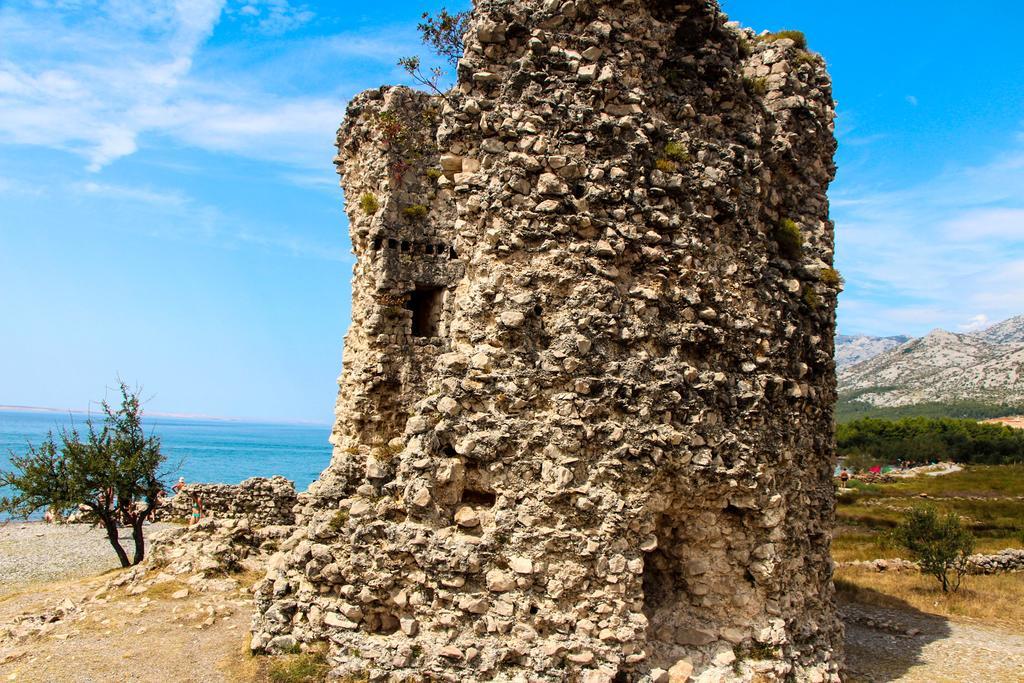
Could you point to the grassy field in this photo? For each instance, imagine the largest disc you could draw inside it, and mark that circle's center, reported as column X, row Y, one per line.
column 989, row 500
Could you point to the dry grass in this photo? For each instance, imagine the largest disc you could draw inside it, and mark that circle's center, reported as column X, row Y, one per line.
column 303, row 667
column 856, row 543
column 242, row 666
column 164, row 590
column 994, row 600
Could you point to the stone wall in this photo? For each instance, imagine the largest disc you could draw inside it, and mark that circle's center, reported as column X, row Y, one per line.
column 1010, row 560
column 263, row 502
column 584, row 427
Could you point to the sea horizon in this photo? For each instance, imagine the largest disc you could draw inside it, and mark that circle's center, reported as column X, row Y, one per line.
column 14, row 408
column 209, row 450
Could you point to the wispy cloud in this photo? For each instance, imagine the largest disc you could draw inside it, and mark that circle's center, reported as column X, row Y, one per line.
column 101, row 78
column 144, row 195
column 936, row 254
column 273, row 17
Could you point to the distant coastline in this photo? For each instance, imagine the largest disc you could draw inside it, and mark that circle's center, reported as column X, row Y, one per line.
column 173, row 416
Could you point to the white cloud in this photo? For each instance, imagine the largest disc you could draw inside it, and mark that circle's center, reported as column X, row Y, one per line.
column 274, row 17
column 975, row 323
column 934, row 254
column 102, row 78
column 144, row 195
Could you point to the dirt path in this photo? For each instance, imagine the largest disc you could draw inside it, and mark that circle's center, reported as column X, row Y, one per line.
column 878, row 648
column 77, row 633
column 142, row 638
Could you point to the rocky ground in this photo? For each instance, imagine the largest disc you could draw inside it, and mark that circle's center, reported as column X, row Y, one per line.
column 80, row 632
column 34, row 552
column 185, row 617
column 913, row 647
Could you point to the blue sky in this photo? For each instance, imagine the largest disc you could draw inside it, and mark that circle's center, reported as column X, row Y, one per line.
column 169, row 211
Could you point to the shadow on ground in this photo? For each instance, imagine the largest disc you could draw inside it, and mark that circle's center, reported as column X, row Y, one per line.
column 885, row 636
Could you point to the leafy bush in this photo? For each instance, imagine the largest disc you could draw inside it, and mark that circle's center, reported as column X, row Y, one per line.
column 790, row 239
column 432, row 173
column 797, row 37
column 941, row 545
column 115, row 473
column 369, row 204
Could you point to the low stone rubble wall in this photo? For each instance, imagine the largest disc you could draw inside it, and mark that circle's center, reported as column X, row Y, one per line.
column 261, row 501
column 1005, row 561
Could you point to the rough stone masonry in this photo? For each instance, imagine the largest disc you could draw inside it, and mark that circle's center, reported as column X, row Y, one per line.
column 584, row 429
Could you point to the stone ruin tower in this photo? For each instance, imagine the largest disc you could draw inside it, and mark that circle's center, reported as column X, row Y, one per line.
column 584, row 430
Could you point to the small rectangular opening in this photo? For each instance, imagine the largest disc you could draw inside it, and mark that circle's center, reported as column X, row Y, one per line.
column 485, row 499
column 425, row 304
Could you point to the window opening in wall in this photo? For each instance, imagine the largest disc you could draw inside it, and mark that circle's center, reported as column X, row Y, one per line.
column 425, row 304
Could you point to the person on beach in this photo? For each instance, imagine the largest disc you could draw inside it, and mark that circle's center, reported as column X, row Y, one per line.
column 179, row 486
column 197, row 509
column 844, row 477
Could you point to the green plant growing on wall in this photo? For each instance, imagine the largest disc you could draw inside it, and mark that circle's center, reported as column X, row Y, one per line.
column 677, row 152
column 390, row 126
column 433, row 173
column 415, row 212
column 338, row 521
column 830, row 277
column 756, row 86
column 807, row 58
column 811, row 297
column 368, row 203
column 797, row 37
column 666, row 166
column 790, row 239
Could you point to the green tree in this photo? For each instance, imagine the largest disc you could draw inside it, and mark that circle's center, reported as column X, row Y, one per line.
column 443, row 34
column 114, row 474
column 941, row 545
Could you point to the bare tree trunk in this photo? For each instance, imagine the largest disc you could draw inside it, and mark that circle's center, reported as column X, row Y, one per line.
column 111, row 527
column 137, row 534
column 140, row 541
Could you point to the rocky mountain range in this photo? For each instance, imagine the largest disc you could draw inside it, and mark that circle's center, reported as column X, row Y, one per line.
column 941, row 367
column 853, row 349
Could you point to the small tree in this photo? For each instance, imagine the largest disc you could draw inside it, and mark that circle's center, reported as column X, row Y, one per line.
column 941, row 545
column 443, row 34
column 113, row 474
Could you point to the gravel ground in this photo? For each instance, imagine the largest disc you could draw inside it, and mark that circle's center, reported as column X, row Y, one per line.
column 940, row 651
column 33, row 552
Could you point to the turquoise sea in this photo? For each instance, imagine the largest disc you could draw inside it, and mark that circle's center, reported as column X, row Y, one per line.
column 224, row 451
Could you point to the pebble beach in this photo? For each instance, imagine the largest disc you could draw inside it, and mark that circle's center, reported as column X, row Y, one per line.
column 34, row 552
